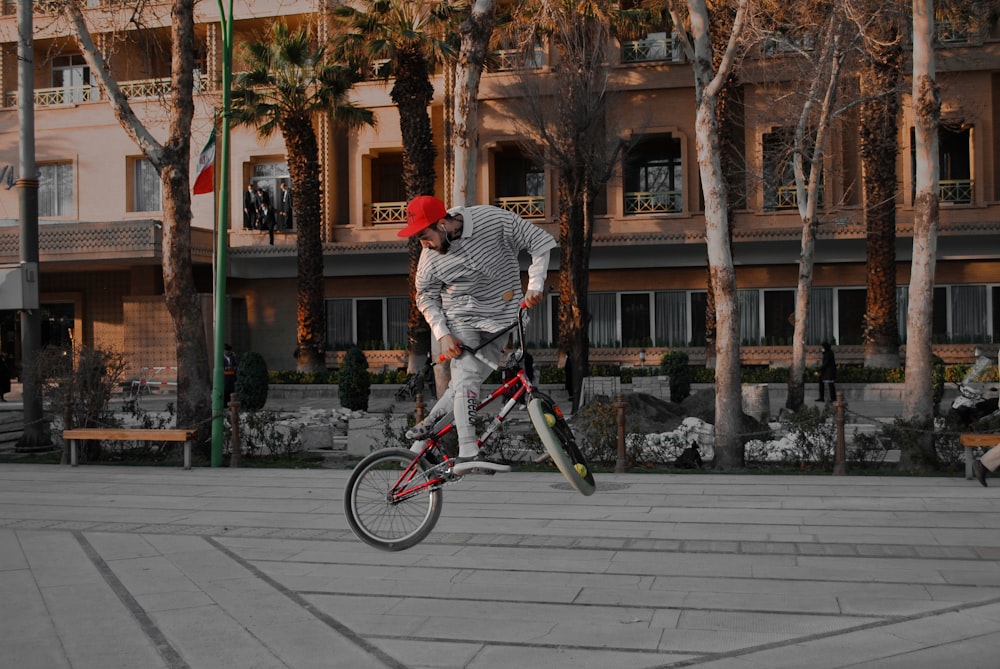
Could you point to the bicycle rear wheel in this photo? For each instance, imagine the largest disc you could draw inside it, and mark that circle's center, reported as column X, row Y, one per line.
column 390, row 505
column 557, row 437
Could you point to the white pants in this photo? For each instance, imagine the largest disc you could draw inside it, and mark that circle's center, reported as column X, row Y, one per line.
column 468, row 372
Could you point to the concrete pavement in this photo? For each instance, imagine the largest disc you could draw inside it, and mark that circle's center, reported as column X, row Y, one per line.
column 138, row 568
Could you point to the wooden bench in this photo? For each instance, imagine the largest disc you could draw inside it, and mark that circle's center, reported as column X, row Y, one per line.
column 970, row 440
column 129, row 434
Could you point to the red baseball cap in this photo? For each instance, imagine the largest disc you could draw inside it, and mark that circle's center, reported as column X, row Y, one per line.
column 423, row 211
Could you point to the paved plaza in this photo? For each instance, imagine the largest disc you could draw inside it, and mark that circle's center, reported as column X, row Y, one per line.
column 138, row 568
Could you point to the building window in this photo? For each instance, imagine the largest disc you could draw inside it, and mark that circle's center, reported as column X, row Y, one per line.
column 671, row 318
column 969, row 314
column 373, row 323
column 654, row 177
column 519, row 183
column 851, row 305
column 637, row 312
column 146, row 195
column 55, row 189
column 779, row 170
column 388, row 194
column 955, row 183
column 267, row 176
column 71, row 76
column 699, row 318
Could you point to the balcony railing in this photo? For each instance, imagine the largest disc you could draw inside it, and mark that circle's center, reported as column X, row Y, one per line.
column 62, row 95
column 388, row 212
column 651, row 49
column 957, row 191
column 953, row 32
column 134, row 90
column 786, row 197
column 507, row 60
column 659, row 202
column 527, row 206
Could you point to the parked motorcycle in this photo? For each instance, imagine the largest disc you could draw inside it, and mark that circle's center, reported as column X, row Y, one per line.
column 977, row 399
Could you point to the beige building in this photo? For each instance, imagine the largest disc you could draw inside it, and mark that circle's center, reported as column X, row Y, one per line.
column 100, row 210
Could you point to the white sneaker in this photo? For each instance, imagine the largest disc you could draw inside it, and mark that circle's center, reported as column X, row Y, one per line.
column 476, row 465
column 418, row 445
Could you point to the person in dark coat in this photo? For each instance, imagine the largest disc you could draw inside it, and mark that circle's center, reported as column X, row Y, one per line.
column 229, row 364
column 267, row 221
column 250, row 208
column 827, row 373
column 285, row 207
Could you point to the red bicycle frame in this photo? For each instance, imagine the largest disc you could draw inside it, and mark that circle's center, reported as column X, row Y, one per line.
column 513, row 388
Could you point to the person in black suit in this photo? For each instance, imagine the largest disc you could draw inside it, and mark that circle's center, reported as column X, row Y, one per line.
column 250, row 208
column 267, row 220
column 285, row 207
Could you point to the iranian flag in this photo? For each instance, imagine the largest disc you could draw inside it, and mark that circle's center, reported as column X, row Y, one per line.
column 205, row 181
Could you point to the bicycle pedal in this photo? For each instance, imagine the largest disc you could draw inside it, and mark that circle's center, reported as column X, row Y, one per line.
column 542, row 459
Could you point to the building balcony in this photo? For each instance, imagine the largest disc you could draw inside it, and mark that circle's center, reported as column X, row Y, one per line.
column 956, row 191
column 387, row 212
column 656, row 47
column 654, row 202
column 508, row 60
column 526, row 206
column 133, row 90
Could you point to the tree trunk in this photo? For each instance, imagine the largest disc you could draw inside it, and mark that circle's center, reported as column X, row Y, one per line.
column 302, row 150
column 918, row 406
column 476, row 32
column 728, row 402
column 814, row 119
column 574, row 285
column 412, row 95
column 879, row 148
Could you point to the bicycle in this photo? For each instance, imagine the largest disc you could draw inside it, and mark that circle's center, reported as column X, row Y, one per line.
column 394, row 495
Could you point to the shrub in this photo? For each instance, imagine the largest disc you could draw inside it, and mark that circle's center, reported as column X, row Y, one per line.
column 355, row 381
column 814, row 435
column 78, row 386
column 251, row 382
column 675, row 365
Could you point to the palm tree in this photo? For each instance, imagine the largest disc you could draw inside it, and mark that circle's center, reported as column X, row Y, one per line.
column 404, row 40
column 290, row 81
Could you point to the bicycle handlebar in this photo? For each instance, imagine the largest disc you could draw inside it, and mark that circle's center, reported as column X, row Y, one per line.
column 519, row 324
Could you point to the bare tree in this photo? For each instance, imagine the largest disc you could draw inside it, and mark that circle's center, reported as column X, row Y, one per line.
column 563, row 118
column 171, row 159
column 918, row 407
column 820, row 49
column 691, row 21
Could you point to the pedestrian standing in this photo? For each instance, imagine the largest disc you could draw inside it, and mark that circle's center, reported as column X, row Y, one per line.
column 827, row 373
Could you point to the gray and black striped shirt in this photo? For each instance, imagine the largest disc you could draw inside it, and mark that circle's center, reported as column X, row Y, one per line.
column 477, row 283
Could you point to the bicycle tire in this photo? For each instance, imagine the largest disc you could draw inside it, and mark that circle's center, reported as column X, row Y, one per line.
column 379, row 523
column 559, row 443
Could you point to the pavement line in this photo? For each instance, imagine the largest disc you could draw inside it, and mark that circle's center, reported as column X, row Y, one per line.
column 324, row 618
column 798, row 641
column 166, row 650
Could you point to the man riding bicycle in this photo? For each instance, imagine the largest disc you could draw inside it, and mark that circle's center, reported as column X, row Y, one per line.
column 468, row 287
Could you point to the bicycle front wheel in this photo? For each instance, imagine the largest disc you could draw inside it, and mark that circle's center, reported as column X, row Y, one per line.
column 389, row 504
column 557, row 437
